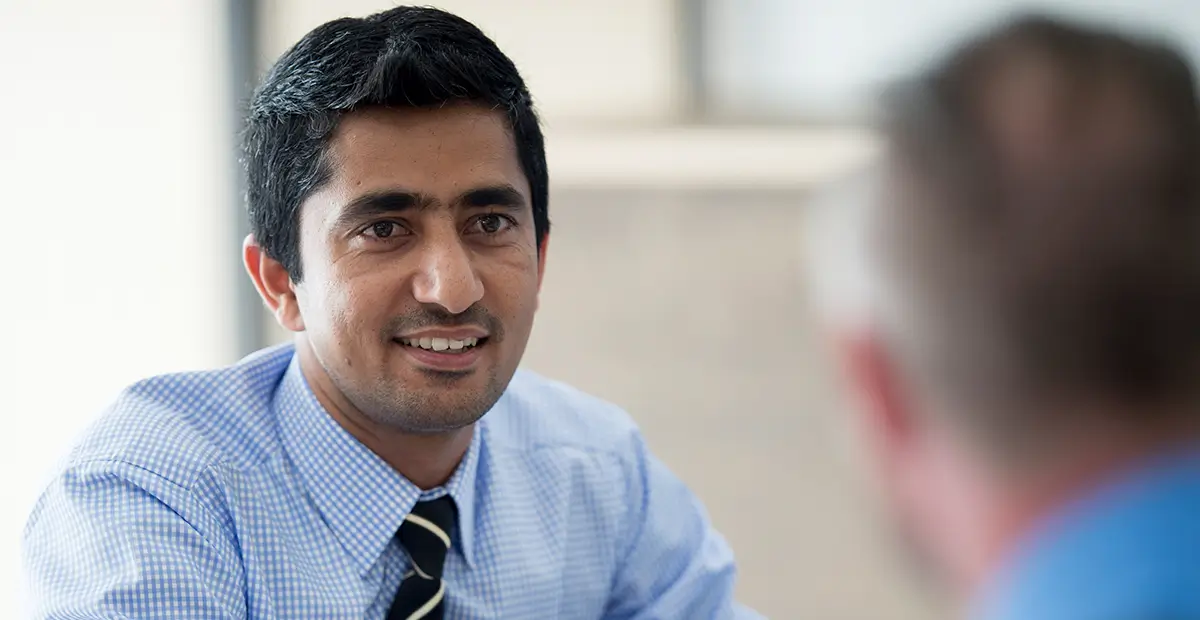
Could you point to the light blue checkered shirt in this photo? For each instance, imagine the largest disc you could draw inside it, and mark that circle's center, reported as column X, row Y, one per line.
column 232, row 494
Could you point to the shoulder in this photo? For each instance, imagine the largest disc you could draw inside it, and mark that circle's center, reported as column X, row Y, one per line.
column 176, row 426
column 536, row 412
column 1126, row 551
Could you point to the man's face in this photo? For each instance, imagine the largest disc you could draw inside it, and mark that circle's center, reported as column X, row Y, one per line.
column 421, row 266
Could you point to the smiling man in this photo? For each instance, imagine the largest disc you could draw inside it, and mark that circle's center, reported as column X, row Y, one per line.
column 391, row 462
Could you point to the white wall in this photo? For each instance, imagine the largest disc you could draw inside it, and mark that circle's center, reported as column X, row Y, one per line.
column 820, row 60
column 115, row 202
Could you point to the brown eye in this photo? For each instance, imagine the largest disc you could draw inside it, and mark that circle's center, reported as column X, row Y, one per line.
column 383, row 230
column 492, row 223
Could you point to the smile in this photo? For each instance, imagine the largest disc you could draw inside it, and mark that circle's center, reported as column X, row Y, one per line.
column 442, row 345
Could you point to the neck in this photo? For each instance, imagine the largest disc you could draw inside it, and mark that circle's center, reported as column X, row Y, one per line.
column 1023, row 497
column 427, row 460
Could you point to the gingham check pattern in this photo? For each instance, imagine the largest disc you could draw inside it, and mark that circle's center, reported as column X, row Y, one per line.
column 232, row 494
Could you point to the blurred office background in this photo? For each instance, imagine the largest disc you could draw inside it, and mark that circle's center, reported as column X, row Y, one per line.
column 683, row 137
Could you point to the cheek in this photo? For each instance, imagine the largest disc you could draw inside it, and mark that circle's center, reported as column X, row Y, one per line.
column 347, row 310
column 513, row 288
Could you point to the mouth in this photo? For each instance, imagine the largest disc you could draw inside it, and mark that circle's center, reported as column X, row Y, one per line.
column 443, row 354
column 450, row 346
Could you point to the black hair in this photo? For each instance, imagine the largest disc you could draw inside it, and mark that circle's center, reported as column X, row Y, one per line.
column 403, row 57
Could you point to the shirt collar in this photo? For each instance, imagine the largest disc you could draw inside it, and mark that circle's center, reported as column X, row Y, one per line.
column 461, row 486
column 361, row 498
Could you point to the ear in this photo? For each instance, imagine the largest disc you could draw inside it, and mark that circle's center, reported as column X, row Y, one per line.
column 274, row 285
column 887, row 416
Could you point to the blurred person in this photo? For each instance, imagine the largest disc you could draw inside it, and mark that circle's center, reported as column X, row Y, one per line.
column 1015, row 295
column 392, row 461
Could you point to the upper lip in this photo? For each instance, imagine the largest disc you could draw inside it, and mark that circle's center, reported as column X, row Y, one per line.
column 449, row 333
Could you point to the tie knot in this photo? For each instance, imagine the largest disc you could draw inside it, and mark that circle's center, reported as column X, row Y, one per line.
column 425, row 535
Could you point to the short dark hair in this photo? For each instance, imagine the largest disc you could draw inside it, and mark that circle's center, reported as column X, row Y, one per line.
column 403, row 57
column 1044, row 218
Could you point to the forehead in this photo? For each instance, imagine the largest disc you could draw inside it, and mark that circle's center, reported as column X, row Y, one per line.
column 435, row 151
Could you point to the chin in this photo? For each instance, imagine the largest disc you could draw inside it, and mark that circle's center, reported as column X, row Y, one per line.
column 437, row 402
column 433, row 419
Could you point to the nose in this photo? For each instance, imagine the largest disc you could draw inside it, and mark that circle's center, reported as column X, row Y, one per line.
column 446, row 276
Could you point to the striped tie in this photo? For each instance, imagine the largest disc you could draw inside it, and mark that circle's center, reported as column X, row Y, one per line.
column 425, row 535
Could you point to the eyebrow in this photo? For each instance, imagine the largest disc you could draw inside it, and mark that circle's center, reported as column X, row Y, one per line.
column 504, row 196
column 382, row 202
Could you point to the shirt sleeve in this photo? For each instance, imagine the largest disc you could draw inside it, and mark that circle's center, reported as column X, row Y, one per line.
column 676, row 564
column 113, row 540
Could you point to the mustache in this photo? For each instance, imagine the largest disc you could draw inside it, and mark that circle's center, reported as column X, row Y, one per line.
column 435, row 316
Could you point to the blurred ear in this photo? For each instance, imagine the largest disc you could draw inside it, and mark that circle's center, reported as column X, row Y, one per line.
column 886, row 415
column 274, row 285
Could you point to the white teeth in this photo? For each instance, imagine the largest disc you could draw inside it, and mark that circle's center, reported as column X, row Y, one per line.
column 441, row 344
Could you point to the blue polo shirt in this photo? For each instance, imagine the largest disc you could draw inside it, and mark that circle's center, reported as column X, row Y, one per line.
column 1129, row 551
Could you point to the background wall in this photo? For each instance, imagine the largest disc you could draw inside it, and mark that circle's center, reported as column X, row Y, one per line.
column 114, row 262
column 822, row 61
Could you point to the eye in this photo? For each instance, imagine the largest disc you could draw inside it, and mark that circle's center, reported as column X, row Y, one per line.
column 492, row 223
column 383, row 230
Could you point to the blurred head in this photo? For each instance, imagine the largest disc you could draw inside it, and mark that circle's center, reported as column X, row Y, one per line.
column 398, row 205
column 1030, row 279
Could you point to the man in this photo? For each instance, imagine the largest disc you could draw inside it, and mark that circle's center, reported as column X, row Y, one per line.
column 1020, row 323
column 398, row 199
